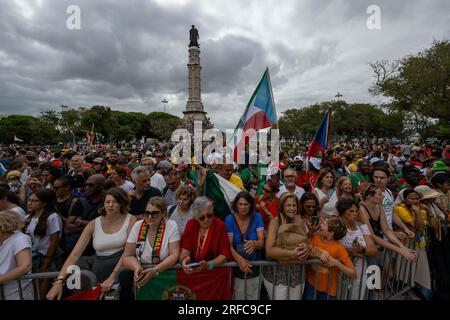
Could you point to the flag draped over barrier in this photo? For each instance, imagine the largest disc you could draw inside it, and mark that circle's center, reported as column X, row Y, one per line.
column 176, row 285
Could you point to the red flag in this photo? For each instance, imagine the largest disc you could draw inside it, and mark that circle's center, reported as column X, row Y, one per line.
column 94, row 294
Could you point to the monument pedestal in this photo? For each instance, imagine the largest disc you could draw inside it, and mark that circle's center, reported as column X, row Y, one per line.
column 194, row 106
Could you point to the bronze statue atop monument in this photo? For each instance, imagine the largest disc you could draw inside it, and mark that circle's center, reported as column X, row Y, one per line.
column 193, row 36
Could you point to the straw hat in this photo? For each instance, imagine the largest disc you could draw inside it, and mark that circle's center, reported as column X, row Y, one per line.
column 426, row 192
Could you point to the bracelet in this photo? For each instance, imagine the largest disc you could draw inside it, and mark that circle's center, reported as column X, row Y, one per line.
column 62, row 280
column 211, row 265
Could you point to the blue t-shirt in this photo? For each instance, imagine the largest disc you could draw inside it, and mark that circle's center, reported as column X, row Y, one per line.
column 233, row 229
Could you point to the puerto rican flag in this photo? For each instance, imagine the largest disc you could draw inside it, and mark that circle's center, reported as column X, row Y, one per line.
column 320, row 141
column 259, row 114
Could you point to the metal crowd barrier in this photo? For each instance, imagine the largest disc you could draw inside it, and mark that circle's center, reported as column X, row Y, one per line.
column 34, row 277
column 396, row 277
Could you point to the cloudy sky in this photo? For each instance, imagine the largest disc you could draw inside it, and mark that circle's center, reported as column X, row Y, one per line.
column 129, row 55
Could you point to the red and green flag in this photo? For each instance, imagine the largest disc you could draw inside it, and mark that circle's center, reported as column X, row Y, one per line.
column 176, row 285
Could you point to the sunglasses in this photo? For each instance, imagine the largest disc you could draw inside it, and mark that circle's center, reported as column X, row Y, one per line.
column 268, row 191
column 207, row 216
column 152, row 214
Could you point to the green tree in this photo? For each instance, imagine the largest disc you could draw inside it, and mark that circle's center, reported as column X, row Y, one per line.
column 160, row 125
column 418, row 84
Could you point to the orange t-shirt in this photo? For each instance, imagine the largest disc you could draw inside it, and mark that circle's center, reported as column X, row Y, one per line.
column 337, row 251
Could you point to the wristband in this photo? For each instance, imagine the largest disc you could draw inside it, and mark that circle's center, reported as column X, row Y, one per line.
column 211, row 265
column 60, row 279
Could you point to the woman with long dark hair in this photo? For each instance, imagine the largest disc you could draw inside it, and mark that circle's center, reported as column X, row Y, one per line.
column 310, row 212
column 245, row 229
column 44, row 225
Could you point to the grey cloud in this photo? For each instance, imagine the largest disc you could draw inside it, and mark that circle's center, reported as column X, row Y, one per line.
column 131, row 54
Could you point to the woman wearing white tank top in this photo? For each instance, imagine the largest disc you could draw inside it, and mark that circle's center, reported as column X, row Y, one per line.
column 325, row 192
column 109, row 233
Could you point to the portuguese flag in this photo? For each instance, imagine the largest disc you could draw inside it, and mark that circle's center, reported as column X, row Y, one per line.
column 176, row 285
column 222, row 192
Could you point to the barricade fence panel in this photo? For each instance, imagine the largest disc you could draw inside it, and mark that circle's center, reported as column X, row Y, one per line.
column 390, row 276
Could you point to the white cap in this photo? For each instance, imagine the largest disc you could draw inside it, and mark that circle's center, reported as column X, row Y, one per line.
column 214, row 158
column 298, row 158
column 315, row 162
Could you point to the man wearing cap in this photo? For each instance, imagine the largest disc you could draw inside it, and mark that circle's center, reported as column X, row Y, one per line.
column 99, row 165
column 439, row 166
column 251, row 176
column 183, row 170
column 301, row 173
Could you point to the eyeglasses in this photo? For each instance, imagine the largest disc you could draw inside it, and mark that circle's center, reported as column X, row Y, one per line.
column 268, row 191
column 153, row 214
column 207, row 216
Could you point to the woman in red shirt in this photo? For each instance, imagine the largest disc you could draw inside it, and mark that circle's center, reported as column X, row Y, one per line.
column 205, row 239
column 267, row 203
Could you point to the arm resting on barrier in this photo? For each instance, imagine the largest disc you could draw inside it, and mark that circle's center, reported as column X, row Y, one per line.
column 23, row 265
column 56, row 291
column 301, row 253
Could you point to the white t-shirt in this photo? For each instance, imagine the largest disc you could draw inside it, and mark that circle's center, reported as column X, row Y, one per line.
column 157, row 181
column 181, row 221
column 361, row 230
column 127, row 186
column 108, row 244
column 171, row 235
column 8, row 251
column 298, row 191
column 329, row 208
column 19, row 211
column 41, row 244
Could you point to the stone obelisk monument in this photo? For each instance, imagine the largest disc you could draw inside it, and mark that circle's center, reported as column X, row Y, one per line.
column 194, row 106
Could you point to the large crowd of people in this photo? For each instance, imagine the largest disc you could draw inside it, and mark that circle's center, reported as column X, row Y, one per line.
column 113, row 212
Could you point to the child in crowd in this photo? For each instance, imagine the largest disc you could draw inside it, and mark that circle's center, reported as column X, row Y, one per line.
column 334, row 257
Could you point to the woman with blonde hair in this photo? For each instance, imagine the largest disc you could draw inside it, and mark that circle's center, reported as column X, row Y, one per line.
column 181, row 212
column 345, row 188
column 15, row 253
column 154, row 240
column 287, row 240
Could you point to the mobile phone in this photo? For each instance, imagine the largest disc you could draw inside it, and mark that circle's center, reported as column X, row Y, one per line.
column 315, row 220
column 194, row 265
